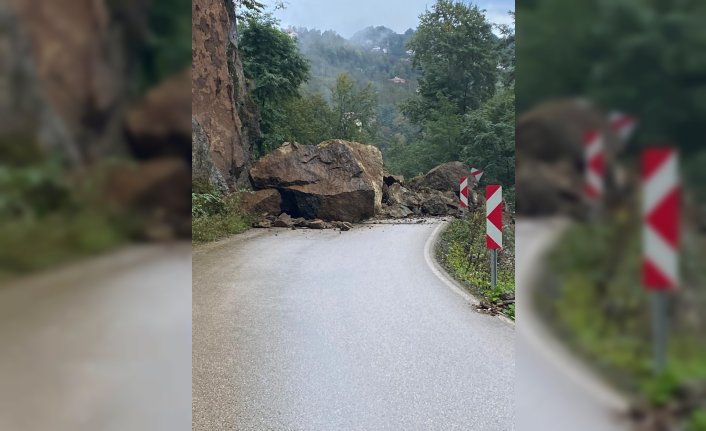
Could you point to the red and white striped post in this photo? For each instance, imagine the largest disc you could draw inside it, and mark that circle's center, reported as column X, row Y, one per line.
column 622, row 124
column 494, row 226
column 660, row 264
column 476, row 173
column 595, row 165
column 463, row 192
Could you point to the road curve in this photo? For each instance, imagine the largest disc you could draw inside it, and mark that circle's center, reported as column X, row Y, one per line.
column 555, row 391
column 327, row 330
column 101, row 345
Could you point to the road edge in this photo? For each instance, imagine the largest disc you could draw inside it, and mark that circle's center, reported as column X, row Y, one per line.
column 537, row 333
column 445, row 277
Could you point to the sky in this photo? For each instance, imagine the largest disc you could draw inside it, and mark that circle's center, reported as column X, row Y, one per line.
column 348, row 16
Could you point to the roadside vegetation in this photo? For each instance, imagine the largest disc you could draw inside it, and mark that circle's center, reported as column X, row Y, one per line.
column 48, row 217
column 462, row 251
column 598, row 306
column 214, row 215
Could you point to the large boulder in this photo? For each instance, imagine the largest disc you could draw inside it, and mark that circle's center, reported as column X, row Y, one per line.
column 438, row 203
column 335, row 180
column 155, row 189
column 399, row 195
column 160, row 123
column 444, row 177
column 550, row 158
column 260, row 201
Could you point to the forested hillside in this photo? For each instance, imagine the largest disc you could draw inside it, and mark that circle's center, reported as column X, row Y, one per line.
column 441, row 92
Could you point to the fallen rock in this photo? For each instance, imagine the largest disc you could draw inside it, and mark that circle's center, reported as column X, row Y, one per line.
column 398, row 195
column 436, row 203
column 155, row 189
column 443, row 177
column 550, row 158
column 284, row 220
column 266, row 201
column 390, row 179
column 335, row 180
column 317, row 224
column 160, row 124
column 262, row 224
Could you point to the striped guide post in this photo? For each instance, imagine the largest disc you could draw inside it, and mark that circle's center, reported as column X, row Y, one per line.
column 622, row 124
column 476, row 173
column 494, row 226
column 660, row 264
column 463, row 192
column 595, row 165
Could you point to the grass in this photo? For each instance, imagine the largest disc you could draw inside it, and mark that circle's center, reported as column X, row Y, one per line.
column 599, row 307
column 462, row 251
column 47, row 218
column 215, row 216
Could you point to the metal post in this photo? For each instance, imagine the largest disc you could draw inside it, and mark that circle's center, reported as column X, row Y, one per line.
column 658, row 301
column 493, row 267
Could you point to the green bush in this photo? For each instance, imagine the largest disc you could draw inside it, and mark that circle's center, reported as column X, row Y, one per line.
column 215, row 216
column 462, row 250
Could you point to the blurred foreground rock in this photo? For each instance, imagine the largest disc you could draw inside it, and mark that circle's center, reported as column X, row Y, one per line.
column 551, row 158
column 154, row 189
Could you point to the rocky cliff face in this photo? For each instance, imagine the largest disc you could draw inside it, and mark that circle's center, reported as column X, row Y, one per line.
column 222, row 112
column 82, row 66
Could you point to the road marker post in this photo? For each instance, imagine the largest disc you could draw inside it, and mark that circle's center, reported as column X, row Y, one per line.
column 660, row 263
column 476, row 173
column 593, row 144
column 494, row 227
column 463, row 196
column 623, row 125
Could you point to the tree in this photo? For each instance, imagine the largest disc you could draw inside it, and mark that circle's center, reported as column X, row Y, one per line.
column 489, row 138
column 354, row 109
column 307, row 120
column 456, row 50
column 646, row 57
column 272, row 61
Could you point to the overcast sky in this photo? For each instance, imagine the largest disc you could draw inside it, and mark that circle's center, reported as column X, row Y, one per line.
column 348, row 16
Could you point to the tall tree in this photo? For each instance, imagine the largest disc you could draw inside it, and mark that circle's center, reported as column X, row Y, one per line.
column 456, row 50
column 272, row 61
column 354, row 108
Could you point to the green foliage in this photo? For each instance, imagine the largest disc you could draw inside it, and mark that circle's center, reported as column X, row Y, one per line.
column 465, row 105
column 273, row 62
column 168, row 48
column 598, row 304
column 660, row 389
column 205, row 204
column 46, row 218
column 489, row 138
column 462, row 250
column 353, row 110
column 457, row 52
column 697, row 421
column 646, row 57
column 215, row 216
column 271, row 59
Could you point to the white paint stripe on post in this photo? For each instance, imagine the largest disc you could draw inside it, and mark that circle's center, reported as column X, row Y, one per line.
column 493, row 212
column 463, row 192
column 661, row 200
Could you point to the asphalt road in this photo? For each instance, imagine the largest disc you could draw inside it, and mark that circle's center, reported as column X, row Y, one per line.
column 327, row 330
column 101, row 345
column 555, row 391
